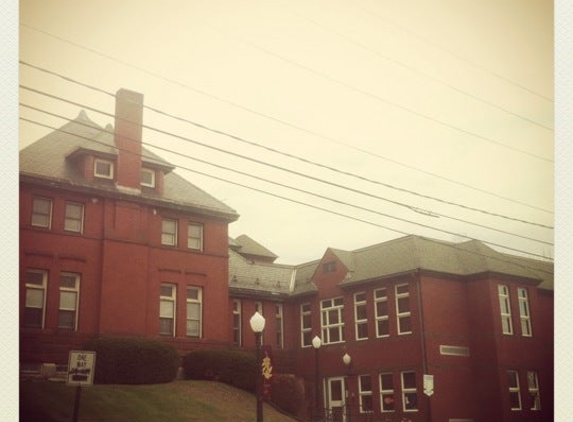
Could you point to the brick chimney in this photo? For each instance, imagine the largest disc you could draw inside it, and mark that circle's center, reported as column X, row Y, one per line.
column 128, row 130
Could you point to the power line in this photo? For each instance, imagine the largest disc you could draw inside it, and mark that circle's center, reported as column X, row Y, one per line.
column 383, row 100
column 285, row 153
column 280, row 121
column 290, row 187
column 452, row 53
column 415, row 209
column 427, row 75
column 306, row 204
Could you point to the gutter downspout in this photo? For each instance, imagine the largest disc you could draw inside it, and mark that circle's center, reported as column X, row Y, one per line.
column 422, row 336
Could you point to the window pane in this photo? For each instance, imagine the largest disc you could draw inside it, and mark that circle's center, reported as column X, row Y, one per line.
column 367, row 403
column 382, row 308
column 333, row 317
column 193, row 294
column 383, row 328
column 74, row 211
column 362, row 331
column 365, row 383
column 166, row 326
column 405, row 325
column 402, row 289
column 193, row 311
column 166, row 309
column 403, row 304
column 387, row 382
column 193, row 328
column 34, row 298
column 513, row 381
column 411, row 401
column 381, row 293
column 41, row 206
column 66, row 319
column 68, row 300
column 334, row 335
column 40, row 220
column 68, row 281
column 388, row 402
column 306, row 321
column 166, row 291
column 361, row 312
column 409, row 379
column 35, row 278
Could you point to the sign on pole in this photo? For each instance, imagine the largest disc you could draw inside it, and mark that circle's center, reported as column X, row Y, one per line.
column 81, row 367
column 428, row 385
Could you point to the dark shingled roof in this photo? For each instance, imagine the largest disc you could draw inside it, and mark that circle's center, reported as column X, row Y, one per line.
column 387, row 259
column 251, row 247
column 49, row 158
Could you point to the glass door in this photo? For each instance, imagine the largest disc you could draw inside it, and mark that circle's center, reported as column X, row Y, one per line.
column 335, row 400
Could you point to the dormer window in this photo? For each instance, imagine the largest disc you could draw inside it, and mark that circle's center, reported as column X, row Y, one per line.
column 147, row 178
column 103, row 169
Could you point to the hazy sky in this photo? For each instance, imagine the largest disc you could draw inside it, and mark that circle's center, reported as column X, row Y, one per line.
column 438, row 105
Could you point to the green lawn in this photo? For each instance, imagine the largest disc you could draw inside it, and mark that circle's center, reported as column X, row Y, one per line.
column 178, row 401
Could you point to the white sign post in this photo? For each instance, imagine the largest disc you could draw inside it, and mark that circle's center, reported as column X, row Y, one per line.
column 428, row 385
column 81, row 368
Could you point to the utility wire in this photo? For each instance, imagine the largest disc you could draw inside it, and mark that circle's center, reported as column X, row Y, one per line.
column 304, row 203
column 425, row 74
column 452, row 53
column 412, row 208
column 276, row 120
column 381, row 99
column 290, row 187
column 288, row 154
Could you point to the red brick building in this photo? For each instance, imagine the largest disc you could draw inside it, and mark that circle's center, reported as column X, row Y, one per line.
column 114, row 242
column 479, row 322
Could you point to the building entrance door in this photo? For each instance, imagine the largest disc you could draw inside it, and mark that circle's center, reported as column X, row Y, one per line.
column 335, row 399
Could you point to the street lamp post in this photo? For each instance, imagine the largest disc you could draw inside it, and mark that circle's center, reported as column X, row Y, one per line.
column 258, row 325
column 316, row 343
column 347, row 361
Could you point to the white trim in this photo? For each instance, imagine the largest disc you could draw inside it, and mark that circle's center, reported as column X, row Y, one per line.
column 108, row 175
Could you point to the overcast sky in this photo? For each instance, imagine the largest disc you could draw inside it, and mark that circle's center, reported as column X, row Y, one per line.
column 444, row 106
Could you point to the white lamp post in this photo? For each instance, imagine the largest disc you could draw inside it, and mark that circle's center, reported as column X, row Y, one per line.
column 258, row 325
column 316, row 343
column 347, row 361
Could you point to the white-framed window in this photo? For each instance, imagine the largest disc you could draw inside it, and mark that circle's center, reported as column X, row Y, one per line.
column 381, row 312
column 524, row 315
column 279, row 325
column 365, row 393
column 103, row 168
column 360, row 316
column 169, row 232
column 259, row 309
column 505, row 309
column 41, row 212
column 305, row 325
column 533, row 389
column 332, row 323
column 195, row 236
column 403, row 315
column 194, row 311
column 147, row 177
column 409, row 392
column 387, row 392
column 34, row 309
column 74, row 217
column 237, row 321
column 167, row 302
column 69, row 301
column 514, row 393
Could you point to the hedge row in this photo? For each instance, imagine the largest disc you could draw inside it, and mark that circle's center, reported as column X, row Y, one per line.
column 126, row 360
column 232, row 367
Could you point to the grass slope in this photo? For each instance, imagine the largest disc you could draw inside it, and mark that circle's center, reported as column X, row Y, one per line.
column 178, row 401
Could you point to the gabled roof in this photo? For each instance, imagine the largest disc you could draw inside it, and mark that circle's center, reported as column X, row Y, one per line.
column 414, row 252
column 51, row 159
column 249, row 246
column 262, row 277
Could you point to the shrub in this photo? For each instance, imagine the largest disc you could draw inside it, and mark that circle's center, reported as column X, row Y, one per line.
column 232, row 367
column 127, row 360
column 287, row 393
